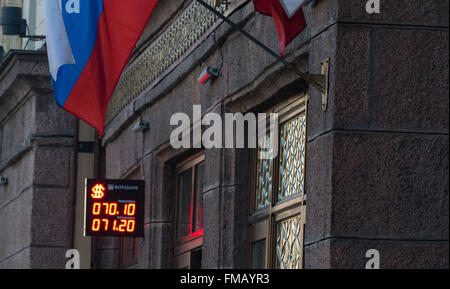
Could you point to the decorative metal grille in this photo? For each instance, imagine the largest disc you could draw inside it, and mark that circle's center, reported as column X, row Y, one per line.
column 289, row 243
column 292, row 158
column 162, row 54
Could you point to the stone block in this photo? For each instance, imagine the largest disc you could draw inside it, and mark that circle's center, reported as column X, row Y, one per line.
column 162, row 196
column 409, row 80
column 54, row 166
column 322, row 47
column 352, row 74
column 20, row 260
column 161, row 247
column 20, row 177
column 317, row 255
column 15, row 230
column 234, row 227
column 351, row 254
column 17, row 130
column 50, row 119
column 212, row 223
column 52, row 216
column 400, row 12
column 320, row 15
column 390, row 186
column 48, row 257
column 319, row 188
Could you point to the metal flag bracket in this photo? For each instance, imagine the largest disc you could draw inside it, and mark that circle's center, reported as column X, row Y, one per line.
column 319, row 81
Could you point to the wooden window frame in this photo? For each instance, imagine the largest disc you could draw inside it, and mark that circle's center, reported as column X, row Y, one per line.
column 262, row 222
column 183, row 247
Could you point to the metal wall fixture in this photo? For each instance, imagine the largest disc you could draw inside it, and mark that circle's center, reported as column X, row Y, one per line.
column 326, row 74
column 13, row 24
column 141, row 126
column 3, row 181
column 210, row 73
column 207, row 74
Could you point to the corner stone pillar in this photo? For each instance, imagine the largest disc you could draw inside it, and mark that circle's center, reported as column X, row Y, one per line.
column 377, row 159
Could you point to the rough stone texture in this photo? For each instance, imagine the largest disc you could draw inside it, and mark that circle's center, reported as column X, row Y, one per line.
column 404, row 12
column 390, row 78
column 15, row 231
column 17, row 185
column 52, row 207
column 20, row 260
column 411, row 82
column 37, row 156
column 17, row 131
column 377, row 162
column 234, row 227
column 48, row 257
column 161, row 250
column 377, row 159
column 55, row 166
column 321, row 47
column 50, row 119
column 390, row 186
column 319, row 188
column 351, row 254
column 317, row 255
column 212, row 222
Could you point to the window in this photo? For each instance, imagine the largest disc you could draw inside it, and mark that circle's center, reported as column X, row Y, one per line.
column 188, row 232
column 278, row 196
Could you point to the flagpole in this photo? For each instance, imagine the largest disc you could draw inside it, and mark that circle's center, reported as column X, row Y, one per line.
column 317, row 80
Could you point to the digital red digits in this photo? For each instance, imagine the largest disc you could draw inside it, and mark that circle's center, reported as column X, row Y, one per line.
column 114, row 208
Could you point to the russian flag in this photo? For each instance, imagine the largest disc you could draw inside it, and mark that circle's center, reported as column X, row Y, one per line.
column 89, row 43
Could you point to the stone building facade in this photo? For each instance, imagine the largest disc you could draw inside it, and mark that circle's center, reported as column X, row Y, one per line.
column 37, row 158
column 370, row 171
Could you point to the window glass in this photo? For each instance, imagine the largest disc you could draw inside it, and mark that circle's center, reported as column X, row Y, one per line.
column 259, row 255
column 278, row 195
column 264, row 179
column 289, row 244
column 292, row 158
column 184, row 204
column 198, row 197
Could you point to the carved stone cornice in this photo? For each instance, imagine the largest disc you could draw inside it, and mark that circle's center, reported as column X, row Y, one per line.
column 161, row 57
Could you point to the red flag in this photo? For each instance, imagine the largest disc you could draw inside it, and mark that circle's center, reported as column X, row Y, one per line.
column 287, row 27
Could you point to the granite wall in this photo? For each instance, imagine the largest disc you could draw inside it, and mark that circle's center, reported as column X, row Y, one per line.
column 377, row 165
column 37, row 145
column 377, row 173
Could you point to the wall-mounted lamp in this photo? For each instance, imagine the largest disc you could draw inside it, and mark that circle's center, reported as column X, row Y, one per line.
column 3, row 181
column 142, row 126
column 13, row 24
column 209, row 73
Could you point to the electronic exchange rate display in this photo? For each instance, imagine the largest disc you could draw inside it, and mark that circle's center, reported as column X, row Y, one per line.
column 114, row 208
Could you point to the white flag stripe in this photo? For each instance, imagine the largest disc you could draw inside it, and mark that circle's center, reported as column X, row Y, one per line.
column 291, row 6
column 58, row 45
